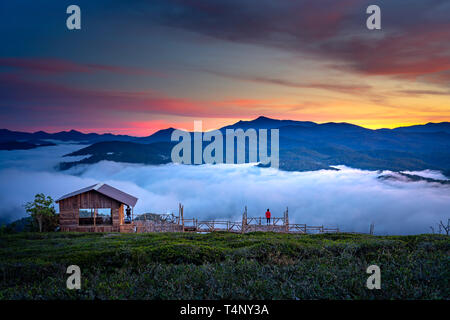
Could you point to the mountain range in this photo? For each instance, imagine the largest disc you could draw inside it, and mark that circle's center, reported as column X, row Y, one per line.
column 304, row 145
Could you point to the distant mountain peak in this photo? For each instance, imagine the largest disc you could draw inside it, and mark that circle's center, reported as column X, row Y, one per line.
column 163, row 131
column 260, row 118
column 429, row 127
column 263, row 122
column 166, row 130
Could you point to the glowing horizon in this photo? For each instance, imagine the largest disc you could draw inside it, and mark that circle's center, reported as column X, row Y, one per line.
column 173, row 62
column 142, row 131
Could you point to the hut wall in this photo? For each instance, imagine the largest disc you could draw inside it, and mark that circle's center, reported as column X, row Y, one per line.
column 121, row 214
column 69, row 210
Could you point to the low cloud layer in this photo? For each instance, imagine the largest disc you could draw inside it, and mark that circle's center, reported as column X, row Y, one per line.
column 349, row 198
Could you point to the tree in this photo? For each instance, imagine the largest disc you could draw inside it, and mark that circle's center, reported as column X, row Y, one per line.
column 446, row 227
column 41, row 210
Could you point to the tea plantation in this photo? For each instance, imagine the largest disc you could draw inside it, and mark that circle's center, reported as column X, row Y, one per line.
column 223, row 266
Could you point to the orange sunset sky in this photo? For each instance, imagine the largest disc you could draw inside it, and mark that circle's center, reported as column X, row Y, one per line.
column 136, row 67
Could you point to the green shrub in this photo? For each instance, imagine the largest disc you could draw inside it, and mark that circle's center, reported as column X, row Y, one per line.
column 223, row 266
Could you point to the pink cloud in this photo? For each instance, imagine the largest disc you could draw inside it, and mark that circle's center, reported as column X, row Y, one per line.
column 336, row 87
column 60, row 66
column 418, row 52
column 31, row 102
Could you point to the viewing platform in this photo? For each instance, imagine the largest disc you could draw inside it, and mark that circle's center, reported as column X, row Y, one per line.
column 173, row 223
column 103, row 208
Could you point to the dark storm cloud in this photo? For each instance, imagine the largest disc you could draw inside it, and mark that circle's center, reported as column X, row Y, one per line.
column 62, row 66
column 414, row 41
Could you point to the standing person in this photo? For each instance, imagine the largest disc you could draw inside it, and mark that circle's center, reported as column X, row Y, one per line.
column 128, row 212
column 268, row 216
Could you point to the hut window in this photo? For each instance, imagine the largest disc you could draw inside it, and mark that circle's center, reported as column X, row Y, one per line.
column 102, row 216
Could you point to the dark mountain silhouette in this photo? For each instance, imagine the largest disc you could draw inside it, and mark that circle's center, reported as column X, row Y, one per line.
column 72, row 135
column 429, row 127
column 164, row 135
column 401, row 176
column 121, row 151
column 306, row 146
column 159, row 136
column 267, row 123
column 20, row 145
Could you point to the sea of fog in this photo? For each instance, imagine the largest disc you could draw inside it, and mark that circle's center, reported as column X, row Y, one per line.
column 349, row 198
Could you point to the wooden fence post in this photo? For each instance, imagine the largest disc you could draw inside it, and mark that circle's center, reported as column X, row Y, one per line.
column 95, row 218
column 182, row 215
column 286, row 219
column 244, row 220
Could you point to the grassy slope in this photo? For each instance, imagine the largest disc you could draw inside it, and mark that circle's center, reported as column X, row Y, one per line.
column 223, row 266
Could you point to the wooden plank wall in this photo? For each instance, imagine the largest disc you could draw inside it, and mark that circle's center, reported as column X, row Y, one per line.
column 69, row 210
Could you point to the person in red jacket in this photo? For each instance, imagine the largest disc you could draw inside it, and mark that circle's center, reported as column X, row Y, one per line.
column 268, row 216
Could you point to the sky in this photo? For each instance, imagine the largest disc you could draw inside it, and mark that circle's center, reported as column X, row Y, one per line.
column 350, row 199
column 138, row 66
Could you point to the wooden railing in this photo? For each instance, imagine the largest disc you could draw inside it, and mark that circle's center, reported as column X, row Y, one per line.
column 172, row 223
column 217, row 225
column 263, row 221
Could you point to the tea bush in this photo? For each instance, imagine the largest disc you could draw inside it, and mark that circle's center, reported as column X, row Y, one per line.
column 223, row 266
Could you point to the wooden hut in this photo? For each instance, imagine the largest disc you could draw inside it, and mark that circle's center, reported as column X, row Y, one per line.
column 97, row 208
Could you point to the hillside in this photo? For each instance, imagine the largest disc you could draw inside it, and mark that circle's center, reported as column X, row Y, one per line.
column 20, row 145
column 119, row 151
column 304, row 145
column 429, row 127
column 72, row 135
column 308, row 146
column 223, row 266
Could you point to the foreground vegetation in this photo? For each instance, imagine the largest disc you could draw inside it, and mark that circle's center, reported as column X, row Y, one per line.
column 223, row 266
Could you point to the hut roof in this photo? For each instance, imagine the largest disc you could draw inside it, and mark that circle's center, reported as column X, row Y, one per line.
column 106, row 190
